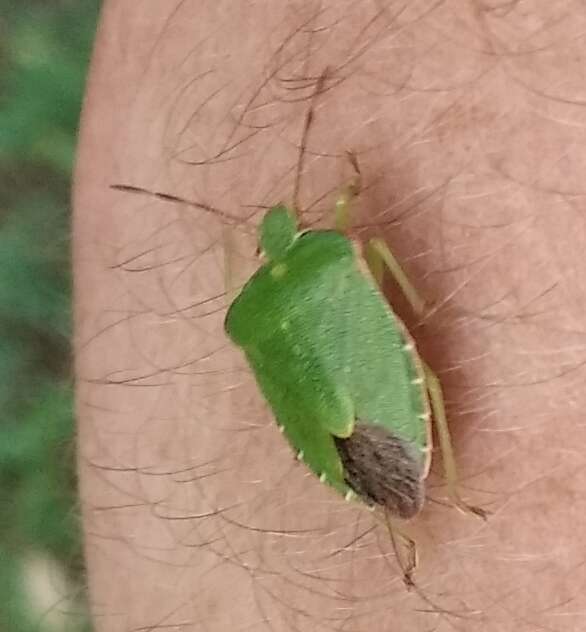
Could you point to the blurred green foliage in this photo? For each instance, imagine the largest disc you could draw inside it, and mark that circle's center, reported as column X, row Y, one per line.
column 44, row 53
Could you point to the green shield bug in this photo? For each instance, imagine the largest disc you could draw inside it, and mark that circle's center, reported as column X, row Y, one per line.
column 337, row 366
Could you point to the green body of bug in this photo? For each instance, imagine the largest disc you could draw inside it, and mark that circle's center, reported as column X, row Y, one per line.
column 336, row 365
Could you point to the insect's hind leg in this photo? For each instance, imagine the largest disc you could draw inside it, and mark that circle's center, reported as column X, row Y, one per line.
column 407, row 561
column 380, row 256
column 436, row 397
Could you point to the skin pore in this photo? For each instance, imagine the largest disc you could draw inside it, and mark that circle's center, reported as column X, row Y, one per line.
column 468, row 120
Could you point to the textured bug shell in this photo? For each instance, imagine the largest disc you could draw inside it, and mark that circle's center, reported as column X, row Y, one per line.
column 327, row 350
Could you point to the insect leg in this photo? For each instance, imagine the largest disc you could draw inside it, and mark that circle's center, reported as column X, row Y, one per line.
column 230, row 266
column 319, row 88
column 348, row 193
column 436, row 396
column 408, row 561
column 378, row 256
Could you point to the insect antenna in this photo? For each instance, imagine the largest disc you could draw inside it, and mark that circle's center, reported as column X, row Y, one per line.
column 319, row 88
column 168, row 197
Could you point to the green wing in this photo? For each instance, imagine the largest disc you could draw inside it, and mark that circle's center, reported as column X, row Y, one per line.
column 305, row 407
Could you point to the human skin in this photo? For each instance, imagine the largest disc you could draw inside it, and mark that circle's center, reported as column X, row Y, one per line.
column 468, row 120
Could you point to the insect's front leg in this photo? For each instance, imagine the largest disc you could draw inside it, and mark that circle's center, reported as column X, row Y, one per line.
column 342, row 215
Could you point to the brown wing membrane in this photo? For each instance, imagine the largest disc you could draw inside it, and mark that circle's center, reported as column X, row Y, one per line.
column 383, row 469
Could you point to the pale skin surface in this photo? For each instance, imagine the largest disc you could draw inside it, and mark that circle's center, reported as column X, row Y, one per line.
column 469, row 123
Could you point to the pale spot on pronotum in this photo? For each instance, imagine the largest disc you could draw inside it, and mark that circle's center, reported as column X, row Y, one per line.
column 278, row 271
column 322, row 477
column 424, row 416
column 281, row 429
column 417, row 380
column 300, row 455
column 408, row 346
column 350, row 495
